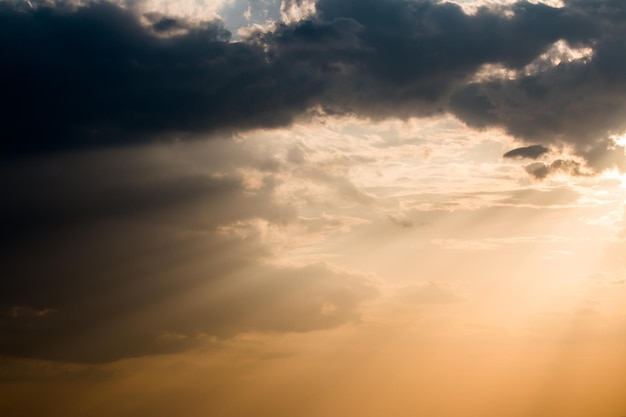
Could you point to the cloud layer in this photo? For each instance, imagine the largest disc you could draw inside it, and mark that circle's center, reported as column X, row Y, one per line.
column 152, row 257
column 98, row 75
column 119, row 252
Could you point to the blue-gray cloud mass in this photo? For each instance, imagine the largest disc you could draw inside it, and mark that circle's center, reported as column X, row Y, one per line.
column 79, row 77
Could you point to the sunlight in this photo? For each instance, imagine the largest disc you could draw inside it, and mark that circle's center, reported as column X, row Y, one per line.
column 312, row 208
column 620, row 140
column 616, row 175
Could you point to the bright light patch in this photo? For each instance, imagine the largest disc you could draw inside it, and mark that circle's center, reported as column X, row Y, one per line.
column 619, row 140
column 615, row 174
column 559, row 53
column 472, row 6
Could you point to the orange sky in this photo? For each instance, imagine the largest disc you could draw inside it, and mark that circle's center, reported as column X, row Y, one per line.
column 420, row 294
column 385, row 258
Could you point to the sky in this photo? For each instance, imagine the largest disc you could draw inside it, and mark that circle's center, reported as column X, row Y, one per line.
column 228, row 208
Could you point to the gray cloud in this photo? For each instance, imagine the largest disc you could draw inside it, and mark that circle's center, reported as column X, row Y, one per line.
column 149, row 256
column 413, row 54
column 95, row 76
column 531, row 152
column 137, row 310
column 540, row 170
column 69, row 88
column 580, row 103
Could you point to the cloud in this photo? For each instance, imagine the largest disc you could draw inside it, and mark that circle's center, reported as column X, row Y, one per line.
column 412, row 55
column 558, row 196
column 52, row 194
column 14, row 370
column 296, row 10
column 540, row 170
column 167, row 24
column 112, row 255
column 531, row 152
column 141, row 298
column 94, row 76
column 71, row 89
column 579, row 103
column 401, row 220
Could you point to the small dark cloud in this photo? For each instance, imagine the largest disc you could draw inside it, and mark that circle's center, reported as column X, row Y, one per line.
column 167, row 25
column 540, row 170
column 402, row 221
column 531, row 152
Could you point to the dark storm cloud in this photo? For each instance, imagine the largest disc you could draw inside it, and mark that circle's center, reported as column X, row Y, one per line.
column 414, row 53
column 572, row 103
column 94, row 76
column 531, row 152
column 580, row 103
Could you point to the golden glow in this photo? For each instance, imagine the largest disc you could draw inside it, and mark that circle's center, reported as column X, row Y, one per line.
column 620, row 140
column 436, row 285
